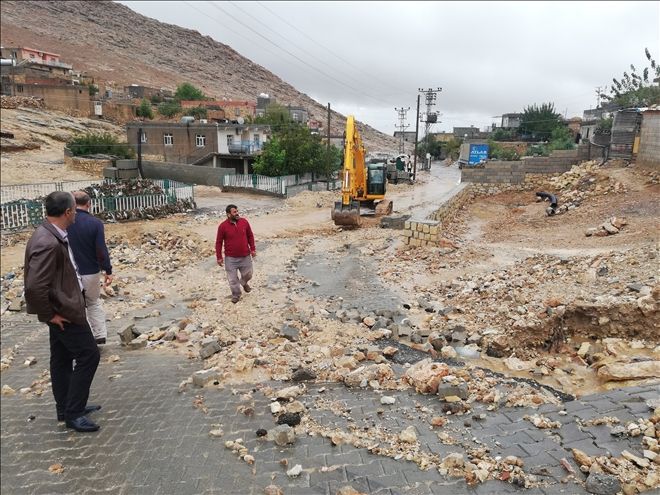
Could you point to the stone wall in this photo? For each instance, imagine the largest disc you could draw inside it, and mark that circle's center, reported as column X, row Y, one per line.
column 92, row 166
column 428, row 232
column 649, row 143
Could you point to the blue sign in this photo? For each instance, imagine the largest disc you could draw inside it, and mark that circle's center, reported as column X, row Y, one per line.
column 478, row 153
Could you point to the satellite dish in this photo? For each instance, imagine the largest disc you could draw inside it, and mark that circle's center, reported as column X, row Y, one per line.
column 240, row 120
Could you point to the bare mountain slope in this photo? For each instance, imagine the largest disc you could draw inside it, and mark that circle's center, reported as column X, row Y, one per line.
column 114, row 43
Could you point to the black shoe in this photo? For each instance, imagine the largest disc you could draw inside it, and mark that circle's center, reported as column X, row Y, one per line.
column 100, row 341
column 247, row 288
column 89, row 409
column 82, row 424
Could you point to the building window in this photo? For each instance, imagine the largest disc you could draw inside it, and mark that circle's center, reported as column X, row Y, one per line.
column 257, row 139
column 296, row 116
column 143, row 137
column 200, row 140
column 168, row 139
column 19, row 88
column 237, row 112
column 230, row 140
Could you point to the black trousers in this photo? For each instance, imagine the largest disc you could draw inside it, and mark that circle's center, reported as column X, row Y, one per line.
column 71, row 383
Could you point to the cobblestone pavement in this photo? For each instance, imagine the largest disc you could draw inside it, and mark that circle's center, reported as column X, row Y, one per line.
column 154, row 441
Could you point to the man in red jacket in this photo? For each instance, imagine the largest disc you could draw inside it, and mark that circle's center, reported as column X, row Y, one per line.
column 235, row 233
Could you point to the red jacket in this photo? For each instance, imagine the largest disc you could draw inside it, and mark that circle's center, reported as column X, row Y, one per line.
column 237, row 238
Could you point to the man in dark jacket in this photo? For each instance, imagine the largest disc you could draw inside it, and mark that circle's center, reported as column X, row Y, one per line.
column 87, row 241
column 54, row 292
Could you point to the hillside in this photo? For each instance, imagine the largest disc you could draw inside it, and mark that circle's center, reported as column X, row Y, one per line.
column 130, row 48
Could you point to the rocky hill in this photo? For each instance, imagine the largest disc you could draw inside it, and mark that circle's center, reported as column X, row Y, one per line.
column 110, row 41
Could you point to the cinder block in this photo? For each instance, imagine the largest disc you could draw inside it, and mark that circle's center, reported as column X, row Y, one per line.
column 425, row 229
column 407, row 225
column 408, row 233
column 433, row 229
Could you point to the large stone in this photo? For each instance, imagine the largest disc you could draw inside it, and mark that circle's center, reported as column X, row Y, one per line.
column 283, row 435
column 303, row 374
column 409, row 435
column 210, row 346
column 202, row 377
column 426, row 375
column 290, row 392
column 290, row 333
column 126, row 334
column 603, row 484
column 447, row 390
column 629, row 371
column 365, row 374
column 139, row 342
column 647, row 305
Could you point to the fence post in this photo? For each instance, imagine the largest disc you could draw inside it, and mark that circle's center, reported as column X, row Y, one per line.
column 254, row 180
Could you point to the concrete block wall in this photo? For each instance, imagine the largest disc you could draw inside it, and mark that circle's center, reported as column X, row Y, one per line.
column 648, row 155
column 493, row 172
column 190, row 174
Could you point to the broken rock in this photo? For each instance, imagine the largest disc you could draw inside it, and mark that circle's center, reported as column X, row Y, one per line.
column 283, row 435
column 603, row 484
column 426, row 375
column 629, row 371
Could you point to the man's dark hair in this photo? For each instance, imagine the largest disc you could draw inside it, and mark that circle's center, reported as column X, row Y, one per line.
column 229, row 207
column 58, row 202
column 82, row 198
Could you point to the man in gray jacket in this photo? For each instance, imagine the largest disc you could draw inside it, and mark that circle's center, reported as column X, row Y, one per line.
column 54, row 292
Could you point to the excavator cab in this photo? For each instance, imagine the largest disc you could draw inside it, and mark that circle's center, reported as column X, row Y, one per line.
column 376, row 179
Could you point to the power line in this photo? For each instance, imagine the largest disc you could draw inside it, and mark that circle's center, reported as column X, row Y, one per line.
column 341, row 59
column 329, row 76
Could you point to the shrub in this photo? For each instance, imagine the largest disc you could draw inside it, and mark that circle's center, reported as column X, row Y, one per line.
column 144, row 110
column 94, row 143
column 187, row 91
column 197, row 112
column 499, row 152
column 169, row 109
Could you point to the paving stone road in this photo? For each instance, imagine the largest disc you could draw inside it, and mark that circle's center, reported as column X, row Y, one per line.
column 154, row 441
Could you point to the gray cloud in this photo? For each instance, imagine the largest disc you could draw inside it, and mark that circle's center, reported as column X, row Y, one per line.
column 489, row 57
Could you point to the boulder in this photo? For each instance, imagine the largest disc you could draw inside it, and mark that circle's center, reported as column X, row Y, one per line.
column 629, row 371
column 365, row 374
column 426, row 375
column 283, row 435
column 603, row 484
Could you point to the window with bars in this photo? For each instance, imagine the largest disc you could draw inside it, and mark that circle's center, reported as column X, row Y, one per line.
column 168, row 139
column 200, row 140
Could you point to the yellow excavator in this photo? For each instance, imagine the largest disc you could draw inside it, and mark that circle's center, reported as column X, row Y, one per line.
column 362, row 186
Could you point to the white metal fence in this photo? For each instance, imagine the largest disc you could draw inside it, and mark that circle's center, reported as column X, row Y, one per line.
column 283, row 185
column 23, row 209
column 261, row 182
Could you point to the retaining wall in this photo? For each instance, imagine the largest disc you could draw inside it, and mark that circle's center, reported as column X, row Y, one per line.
column 90, row 165
column 428, row 232
column 191, row 174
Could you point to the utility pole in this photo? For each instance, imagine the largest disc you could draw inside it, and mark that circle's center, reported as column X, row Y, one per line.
column 416, row 139
column 328, row 129
column 139, row 153
column 402, row 127
column 430, row 96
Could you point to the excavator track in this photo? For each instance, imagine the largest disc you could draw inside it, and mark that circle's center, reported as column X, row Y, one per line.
column 384, row 208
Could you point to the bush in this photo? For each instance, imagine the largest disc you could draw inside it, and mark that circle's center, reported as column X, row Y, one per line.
column 604, row 126
column 156, row 99
column 144, row 110
column 187, row 91
column 99, row 143
column 197, row 112
column 504, row 135
column 499, row 152
column 169, row 109
column 561, row 139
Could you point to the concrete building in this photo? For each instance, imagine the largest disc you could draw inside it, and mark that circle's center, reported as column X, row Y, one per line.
column 136, row 91
column 235, row 109
column 211, row 144
column 511, row 120
column 648, row 152
column 67, row 98
column 298, row 114
column 466, row 132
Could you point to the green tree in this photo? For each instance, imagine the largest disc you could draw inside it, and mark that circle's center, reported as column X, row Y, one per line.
column 186, row 91
column 197, row 112
column 429, row 144
column 169, row 109
column 144, row 110
column 277, row 116
column 93, row 89
column 504, row 134
column 453, row 148
column 561, row 139
column 156, row 99
column 500, row 152
column 272, row 160
column 538, row 122
column 635, row 90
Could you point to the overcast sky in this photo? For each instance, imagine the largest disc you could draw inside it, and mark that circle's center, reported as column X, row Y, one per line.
column 489, row 58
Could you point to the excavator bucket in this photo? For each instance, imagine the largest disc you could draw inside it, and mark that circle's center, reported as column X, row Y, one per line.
column 384, row 207
column 346, row 215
